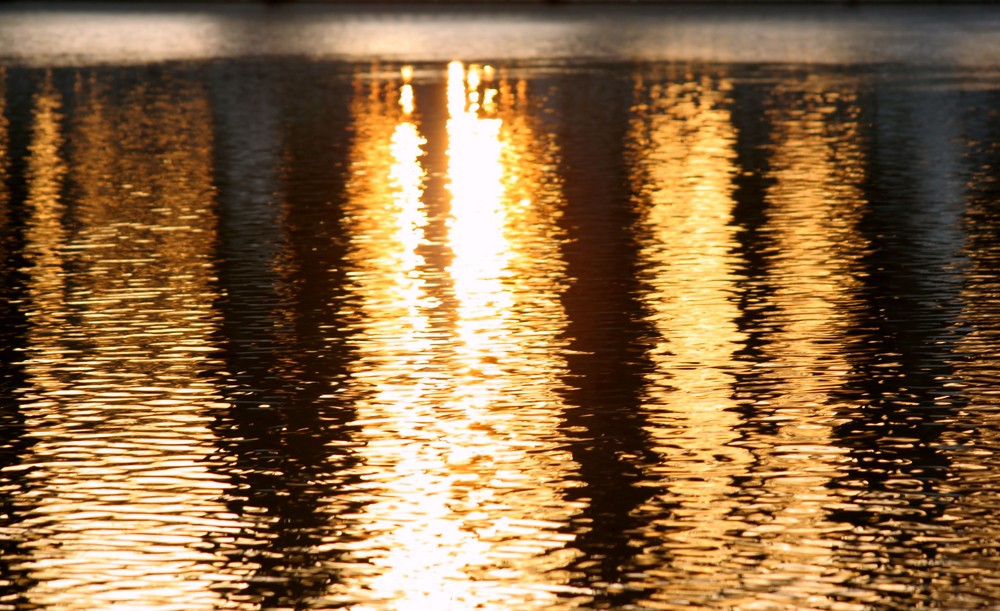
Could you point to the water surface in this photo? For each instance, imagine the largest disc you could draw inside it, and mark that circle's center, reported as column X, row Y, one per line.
column 290, row 332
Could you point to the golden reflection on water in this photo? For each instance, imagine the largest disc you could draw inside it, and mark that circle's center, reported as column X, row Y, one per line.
column 685, row 175
column 972, row 466
column 747, row 486
column 814, row 269
column 45, row 235
column 120, row 495
column 455, row 374
column 684, row 171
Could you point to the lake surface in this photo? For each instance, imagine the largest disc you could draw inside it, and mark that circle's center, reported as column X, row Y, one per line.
column 499, row 321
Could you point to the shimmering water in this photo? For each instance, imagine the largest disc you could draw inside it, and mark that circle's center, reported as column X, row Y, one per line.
column 280, row 332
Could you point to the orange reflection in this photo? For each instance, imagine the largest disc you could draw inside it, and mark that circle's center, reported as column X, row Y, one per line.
column 385, row 218
column 456, row 374
column 506, row 275
column 122, row 497
column 406, row 92
column 684, row 172
column 687, row 239
column 815, row 208
column 44, row 233
column 476, row 233
column 815, row 270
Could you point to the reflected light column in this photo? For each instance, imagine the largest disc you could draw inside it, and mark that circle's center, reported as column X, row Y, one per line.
column 45, row 235
column 684, row 167
column 814, row 265
column 455, row 384
column 403, row 541
column 507, row 277
column 121, row 496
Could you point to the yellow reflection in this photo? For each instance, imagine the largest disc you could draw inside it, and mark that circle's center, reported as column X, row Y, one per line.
column 386, row 215
column 406, row 92
column 687, row 238
column 684, row 171
column 814, row 270
column 815, row 207
column 456, row 372
column 44, row 233
column 121, row 494
column 476, row 234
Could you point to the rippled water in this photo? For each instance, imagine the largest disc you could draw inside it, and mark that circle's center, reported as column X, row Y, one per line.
column 282, row 333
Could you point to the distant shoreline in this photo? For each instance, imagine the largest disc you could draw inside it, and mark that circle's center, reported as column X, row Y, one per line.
column 360, row 4
column 838, row 32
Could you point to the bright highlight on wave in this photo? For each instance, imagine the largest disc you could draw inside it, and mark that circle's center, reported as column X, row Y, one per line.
column 457, row 405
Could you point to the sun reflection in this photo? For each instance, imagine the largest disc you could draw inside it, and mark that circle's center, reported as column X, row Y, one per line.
column 406, row 92
column 391, row 310
column 476, row 226
column 454, row 494
column 121, row 497
column 387, row 236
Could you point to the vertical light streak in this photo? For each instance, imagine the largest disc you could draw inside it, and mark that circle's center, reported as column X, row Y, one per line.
column 814, row 267
column 457, row 409
column 687, row 239
column 401, row 529
column 121, row 498
column 506, row 275
column 44, row 234
column 476, row 233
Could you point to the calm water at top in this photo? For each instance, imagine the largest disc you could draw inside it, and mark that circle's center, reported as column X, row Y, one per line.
column 283, row 330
